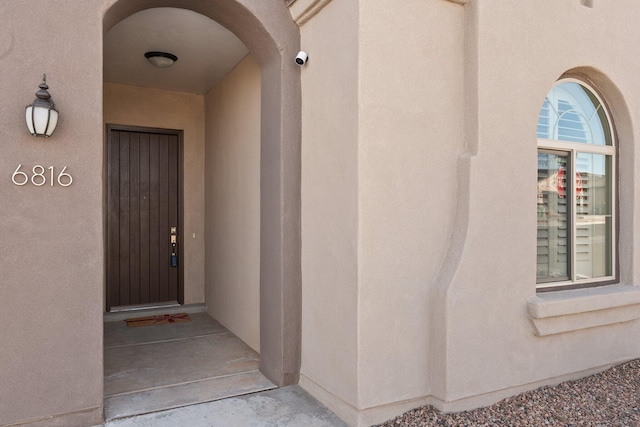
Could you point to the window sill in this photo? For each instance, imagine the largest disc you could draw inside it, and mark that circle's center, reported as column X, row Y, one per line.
column 565, row 311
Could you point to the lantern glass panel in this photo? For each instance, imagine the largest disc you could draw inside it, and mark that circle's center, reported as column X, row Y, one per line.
column 53, row 122
column 29, row 117
column 40, row 119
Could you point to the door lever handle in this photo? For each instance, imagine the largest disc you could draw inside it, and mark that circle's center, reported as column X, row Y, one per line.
column 174, row 243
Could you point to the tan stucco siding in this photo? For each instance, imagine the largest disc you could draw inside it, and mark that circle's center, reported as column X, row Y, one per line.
column 330, row 202
column 233, row 201
column 51, row 270
column 495, row 278
column 411, row 120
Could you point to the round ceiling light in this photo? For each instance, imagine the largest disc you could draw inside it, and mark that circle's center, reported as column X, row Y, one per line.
column 161, row 59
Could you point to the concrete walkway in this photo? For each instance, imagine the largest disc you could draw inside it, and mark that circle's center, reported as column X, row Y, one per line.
column 283, row 407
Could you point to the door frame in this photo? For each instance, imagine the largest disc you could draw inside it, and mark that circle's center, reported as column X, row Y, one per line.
column 181, row 236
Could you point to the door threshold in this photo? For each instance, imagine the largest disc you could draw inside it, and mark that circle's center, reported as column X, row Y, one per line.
column 139, row 307
column 152, row 310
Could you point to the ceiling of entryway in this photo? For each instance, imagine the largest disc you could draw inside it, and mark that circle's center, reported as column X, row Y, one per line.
column 206, row 51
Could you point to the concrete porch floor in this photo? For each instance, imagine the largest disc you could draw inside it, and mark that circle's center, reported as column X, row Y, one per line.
column 195, row 374
column 154, row 368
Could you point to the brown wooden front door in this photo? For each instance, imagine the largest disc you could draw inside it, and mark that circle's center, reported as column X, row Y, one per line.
column 143, row 204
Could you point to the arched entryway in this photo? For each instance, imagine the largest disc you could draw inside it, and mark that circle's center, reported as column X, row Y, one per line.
column 273, row 39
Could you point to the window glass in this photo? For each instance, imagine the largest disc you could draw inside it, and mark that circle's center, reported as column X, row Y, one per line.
column 571, row 113
column 575, row 192
column 553, row 212
column 593, row 216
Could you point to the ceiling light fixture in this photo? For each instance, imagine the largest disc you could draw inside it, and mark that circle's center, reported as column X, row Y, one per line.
column 161, row 59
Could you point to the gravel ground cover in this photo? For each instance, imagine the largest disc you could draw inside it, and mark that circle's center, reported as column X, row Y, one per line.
column 610, row 398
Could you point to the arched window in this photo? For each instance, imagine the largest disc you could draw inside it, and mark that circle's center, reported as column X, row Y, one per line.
column 576, row 167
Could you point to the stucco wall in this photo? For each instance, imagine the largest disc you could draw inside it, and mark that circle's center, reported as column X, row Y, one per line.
column 330, row 203
column 418, row 204
column 233, row 201
column 411, row 133
column 51, row 269
column 491, row 343
column 436, row 260
column 382, row 128
column 137, row 106
column 52, row 272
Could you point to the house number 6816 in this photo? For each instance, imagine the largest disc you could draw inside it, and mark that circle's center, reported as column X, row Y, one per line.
column 39, row 176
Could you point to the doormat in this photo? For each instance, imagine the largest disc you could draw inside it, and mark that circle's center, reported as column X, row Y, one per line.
column 162, row 319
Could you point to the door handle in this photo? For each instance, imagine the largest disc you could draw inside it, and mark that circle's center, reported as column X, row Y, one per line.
column 174, row 243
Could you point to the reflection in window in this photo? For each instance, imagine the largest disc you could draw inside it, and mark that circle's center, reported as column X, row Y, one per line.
column 552, row 217
column 575, row 189
column 572, row 113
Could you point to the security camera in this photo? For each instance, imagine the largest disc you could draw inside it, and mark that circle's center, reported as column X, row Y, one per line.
column 302, row 58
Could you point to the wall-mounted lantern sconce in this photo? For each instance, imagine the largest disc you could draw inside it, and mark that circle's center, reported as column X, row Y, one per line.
column 41, row 115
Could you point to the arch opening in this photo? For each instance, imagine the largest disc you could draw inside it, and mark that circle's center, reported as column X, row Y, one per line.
column 272, row 39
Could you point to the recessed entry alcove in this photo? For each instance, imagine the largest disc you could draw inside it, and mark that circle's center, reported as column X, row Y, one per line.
column 198, row 164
